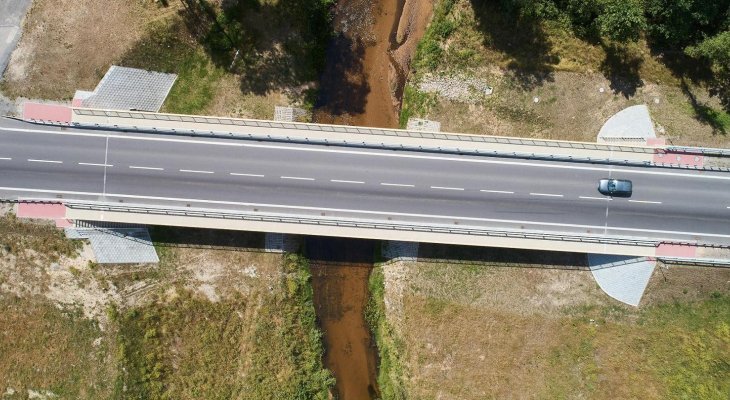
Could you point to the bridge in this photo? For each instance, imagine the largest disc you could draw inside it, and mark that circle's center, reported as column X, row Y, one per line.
column 380, row 184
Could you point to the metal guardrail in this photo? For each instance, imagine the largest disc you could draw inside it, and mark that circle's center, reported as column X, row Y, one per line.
column 705, row 151
column 248, row 216
column 700, row 262
column 361, row 130
column 326, row 142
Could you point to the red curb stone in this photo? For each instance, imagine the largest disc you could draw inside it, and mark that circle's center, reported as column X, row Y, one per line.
column 674, row 250
column 46, row 112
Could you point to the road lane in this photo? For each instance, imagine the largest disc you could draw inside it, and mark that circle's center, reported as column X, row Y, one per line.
column 547, row 195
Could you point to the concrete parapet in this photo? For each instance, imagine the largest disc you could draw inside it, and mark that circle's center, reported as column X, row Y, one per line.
column 336, row 134
column 465, row 235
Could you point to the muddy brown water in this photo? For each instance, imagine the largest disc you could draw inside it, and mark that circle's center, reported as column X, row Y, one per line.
column 340, row 270
column 356, row 87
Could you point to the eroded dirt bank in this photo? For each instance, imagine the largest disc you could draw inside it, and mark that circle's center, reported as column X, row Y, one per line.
column 368, row 61
column 340, row 270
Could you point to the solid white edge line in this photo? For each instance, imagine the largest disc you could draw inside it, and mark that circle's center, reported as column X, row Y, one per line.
column 96, row 164
column 296, row 178
column 595, row 198
column 396, row 184
column 645, row 201
column 194, row 171
column 446, row 188
column 241, row 174
column 345, row 181
column 223, row 142
column 45, row 161
column 546, row 194
column 497, row 191
column 446, row 217
column 149, row 168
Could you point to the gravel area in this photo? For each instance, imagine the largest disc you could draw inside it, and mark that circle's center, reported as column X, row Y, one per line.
column 458, row 88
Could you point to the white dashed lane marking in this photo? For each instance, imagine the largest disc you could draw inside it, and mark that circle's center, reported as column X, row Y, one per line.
column 194, row 171
column 148, row 168
column 297, row 178
column 242, row 174
column 645, row 201
column 497, row 191
column 595, row 198
column 396, row 184
column 546, row 194
column 95, row 164
column 345, row 181
column 446, row 188
column 5, row 158
column 45, row 161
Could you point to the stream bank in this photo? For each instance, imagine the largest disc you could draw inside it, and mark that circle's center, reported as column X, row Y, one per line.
column 368, row 61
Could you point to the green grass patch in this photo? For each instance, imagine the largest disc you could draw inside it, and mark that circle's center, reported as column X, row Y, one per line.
column 680, row 350
column 169, row 47
column 188, row 347
column 416, row 104
column 391, row 371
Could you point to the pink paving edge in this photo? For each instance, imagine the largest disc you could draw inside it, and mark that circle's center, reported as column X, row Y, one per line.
column 52, row 211
column 656, row 141
column 46, row 112
column 678, row 158
column 676, row 250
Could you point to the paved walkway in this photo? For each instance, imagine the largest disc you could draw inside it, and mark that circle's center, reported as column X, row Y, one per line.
column 11, row 18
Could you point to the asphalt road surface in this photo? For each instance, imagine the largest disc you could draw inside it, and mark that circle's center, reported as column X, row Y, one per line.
column 394, row 186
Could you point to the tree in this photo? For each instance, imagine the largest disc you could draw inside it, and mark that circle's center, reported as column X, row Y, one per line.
column 716, row 49
column 622, row 21
column 678, row 23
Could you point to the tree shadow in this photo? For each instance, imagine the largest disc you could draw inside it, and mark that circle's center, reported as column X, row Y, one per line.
column 622, row 68
column 270, row 45
column 344, row 84
column 704, row 113
column 522, row 40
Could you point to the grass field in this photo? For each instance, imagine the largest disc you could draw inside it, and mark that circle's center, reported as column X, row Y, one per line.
column 499, row 330
column 217, row 318
column 236, row 61
column 524, row 62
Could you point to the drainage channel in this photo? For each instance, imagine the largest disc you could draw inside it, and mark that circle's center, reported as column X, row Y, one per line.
column 340, row 270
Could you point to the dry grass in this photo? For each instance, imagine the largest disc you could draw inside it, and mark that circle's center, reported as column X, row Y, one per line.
column 68, row 45
column 216, row 318
column 47, row 349
column 471, row 332
column 565, row 73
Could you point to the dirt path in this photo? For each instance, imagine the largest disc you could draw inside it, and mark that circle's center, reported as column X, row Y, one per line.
column 368, row 61
column 340, row 270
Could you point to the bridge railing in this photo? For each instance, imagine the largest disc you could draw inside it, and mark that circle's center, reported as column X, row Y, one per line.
column 339, row 222
column 603, row 155
column 362, row 130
